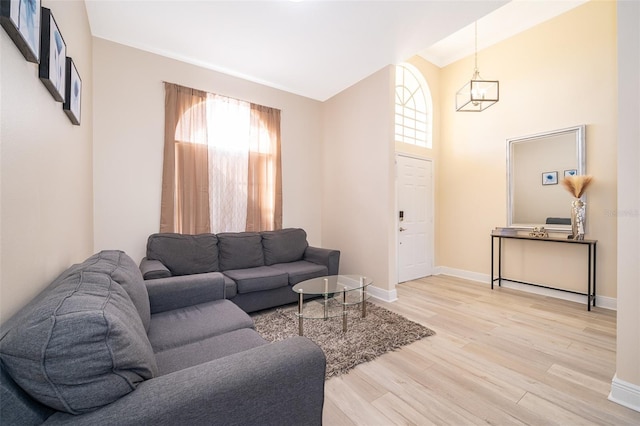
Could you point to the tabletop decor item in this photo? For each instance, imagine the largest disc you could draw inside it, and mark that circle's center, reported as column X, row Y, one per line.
column 539, row 232
column 577, row 185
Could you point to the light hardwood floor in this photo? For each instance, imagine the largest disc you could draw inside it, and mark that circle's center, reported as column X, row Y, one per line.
column 500, row 357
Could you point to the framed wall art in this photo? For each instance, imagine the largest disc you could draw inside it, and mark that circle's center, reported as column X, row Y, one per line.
column 571, row 172
column 73, row 95
column 53, row 54
column 550, row 178
column 21, row 20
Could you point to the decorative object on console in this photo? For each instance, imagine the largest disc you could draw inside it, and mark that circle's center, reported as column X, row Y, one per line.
column 73, row 97
column 478, row 94
column 53, row 53
column 577, row 185
column 21, row 20
column 539, row 232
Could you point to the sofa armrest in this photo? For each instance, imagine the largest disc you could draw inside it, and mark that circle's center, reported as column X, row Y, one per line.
column 166, row 294
column 153, row 269
column 281, row 383
column 326, row 257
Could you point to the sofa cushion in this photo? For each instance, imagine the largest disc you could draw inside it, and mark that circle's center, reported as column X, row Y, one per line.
column 206, row 350
column 284, row 245
column 81, row 347
column 125, row 272
column 182, row 326
column 240, row 250
column 302, row 270
column 258, row 279
column 184, row 254
column 230, row 288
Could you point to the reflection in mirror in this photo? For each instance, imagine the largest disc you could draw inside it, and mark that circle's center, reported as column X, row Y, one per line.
column 536, row 165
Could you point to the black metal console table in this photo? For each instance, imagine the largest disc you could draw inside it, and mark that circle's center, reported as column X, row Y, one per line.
column 591, row 244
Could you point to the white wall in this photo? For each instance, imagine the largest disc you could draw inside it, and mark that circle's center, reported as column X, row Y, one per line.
column 359, row 178
column 626, row 385
column 46, row 171
column 128, row 143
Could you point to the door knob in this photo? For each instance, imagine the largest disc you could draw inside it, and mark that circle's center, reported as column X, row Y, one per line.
column 402, row 229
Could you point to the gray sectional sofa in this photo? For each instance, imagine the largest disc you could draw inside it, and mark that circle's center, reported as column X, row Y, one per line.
column 258, row 269
column 98, row 347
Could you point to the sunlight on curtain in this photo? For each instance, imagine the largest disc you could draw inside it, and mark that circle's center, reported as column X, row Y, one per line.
column 228, row 123
column 222, row 169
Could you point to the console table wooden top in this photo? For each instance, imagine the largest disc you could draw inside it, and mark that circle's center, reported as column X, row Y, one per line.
column 514, row 235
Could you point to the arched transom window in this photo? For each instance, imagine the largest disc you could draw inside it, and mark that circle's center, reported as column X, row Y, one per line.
column 414, row 107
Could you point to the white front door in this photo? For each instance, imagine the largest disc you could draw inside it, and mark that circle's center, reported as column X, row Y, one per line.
column 414, row 217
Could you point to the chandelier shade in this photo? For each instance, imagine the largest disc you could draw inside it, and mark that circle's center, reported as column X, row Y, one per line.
column 478, row 94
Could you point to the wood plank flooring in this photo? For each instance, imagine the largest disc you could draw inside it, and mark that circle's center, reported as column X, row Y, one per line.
column 500, row 357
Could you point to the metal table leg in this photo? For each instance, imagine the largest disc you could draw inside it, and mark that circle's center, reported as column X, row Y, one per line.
column 300, row 302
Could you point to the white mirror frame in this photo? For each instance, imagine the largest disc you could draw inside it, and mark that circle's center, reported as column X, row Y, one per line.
column 577, row 134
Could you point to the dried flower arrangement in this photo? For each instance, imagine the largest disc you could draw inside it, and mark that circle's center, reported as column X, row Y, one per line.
column 577, row 185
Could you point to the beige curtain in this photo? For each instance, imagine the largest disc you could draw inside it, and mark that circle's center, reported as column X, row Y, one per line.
column 185, row 176
column 264, row 190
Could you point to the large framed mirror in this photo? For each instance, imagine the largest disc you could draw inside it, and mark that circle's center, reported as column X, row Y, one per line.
column 536, row 165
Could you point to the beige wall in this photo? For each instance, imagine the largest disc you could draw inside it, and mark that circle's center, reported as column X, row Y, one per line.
column 558, row 74
column 358, row 198
column 628, row 211
column 46, row 171
column 128, row 143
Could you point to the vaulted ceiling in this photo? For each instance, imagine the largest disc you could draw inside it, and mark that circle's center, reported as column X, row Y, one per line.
column 312, row 48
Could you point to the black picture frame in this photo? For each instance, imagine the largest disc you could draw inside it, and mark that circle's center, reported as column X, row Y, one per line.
column 550, row 178
column 21, row 20
column 73, row 95
column 53, row 54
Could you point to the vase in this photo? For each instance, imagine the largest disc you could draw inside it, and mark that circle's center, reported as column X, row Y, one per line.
column 577, row 219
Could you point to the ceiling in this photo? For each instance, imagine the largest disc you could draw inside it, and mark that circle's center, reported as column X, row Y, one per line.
column 313, row 48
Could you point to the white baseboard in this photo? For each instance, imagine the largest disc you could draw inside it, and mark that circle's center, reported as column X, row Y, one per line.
column 601, row 301
column 384, row 295
column 625, row 393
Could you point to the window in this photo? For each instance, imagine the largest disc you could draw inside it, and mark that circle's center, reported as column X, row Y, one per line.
column 413, row 107
column 222, row 164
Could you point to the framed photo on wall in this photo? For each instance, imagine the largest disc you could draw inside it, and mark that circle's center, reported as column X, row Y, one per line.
column 21, row 20
column 550, row 178
column 73, row 95
column 571, row 172
column 53, row 55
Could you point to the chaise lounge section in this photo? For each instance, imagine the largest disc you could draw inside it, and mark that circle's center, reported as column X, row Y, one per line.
column 98, row 347
column 258, row 269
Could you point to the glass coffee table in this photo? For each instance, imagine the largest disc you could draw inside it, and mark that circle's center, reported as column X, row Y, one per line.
column 336, row 292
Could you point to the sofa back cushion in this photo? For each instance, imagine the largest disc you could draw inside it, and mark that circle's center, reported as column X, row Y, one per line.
column 240, row 250
column 184, row 254
column 284, row 245
column 79, row 345
column 125, row 272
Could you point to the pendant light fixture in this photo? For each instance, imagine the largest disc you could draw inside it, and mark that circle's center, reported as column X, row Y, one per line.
column 478, row 94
